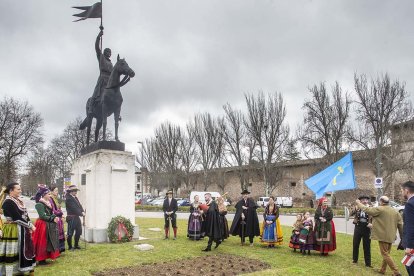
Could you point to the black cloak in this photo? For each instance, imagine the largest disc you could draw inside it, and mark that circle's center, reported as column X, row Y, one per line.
column 252, row 222
column 212, row 222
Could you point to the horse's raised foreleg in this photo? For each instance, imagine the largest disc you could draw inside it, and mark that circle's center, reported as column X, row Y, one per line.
column 116, row 118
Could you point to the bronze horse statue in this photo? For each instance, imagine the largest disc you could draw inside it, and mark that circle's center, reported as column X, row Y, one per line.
column 110, row 101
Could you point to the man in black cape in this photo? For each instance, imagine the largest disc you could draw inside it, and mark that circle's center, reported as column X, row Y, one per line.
column 212, row 223
column 74, row 211
column 245, row 222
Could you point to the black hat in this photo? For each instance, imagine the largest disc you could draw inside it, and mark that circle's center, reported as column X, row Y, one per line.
column 245, row 192
column 364, row 197
column 169, row 192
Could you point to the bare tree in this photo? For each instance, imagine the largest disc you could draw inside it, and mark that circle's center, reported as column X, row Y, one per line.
column 381, row 104
column 20, row 131
column 189, row 158
column 208, row 137
column 235, row 137
column 265, row 122
column 325, row 122
column 169, row 139
column 152, row 163
column 40, row 169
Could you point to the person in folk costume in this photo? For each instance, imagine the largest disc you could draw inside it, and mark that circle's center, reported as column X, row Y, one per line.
column 169, row 208
column 212, row 223
column 324, row 228
column 362, row 231
column 57, row 210
column 294, row 238
column 306, row 235
column 245, row 222
column 17, row 254
column 74, row 211
column 223, row 220
column 45, row 238
column 195, row 220
column 271, row 231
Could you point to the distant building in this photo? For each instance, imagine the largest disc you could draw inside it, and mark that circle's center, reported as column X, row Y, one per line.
column 290, row 182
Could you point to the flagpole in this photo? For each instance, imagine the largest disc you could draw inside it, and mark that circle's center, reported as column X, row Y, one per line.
column 101, row 27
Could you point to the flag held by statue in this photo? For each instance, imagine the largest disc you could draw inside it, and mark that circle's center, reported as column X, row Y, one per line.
column 94, row 11
column 337, row 177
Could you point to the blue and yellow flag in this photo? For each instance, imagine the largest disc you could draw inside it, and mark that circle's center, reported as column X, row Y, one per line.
column 337, row 177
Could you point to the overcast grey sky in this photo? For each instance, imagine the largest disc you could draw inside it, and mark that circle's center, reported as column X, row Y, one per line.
column 194, row 56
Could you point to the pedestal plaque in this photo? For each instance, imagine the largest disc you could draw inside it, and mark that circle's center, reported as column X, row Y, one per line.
column 106, row 179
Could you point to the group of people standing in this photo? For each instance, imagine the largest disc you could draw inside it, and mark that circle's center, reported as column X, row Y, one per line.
column 23, row 243
column 319, row 236
column 381, row 223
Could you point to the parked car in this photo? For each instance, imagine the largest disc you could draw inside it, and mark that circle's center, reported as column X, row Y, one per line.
column 183, row 202
column 263, row 201
column 393, row 204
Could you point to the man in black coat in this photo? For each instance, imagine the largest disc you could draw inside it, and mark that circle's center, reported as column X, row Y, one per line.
column 245, row 222
column 74, row 211
column 407, row 191
column 362, row 231
column 212, row 223
column 169, row 208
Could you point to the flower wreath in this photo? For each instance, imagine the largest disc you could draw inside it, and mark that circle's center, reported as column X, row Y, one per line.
column 120, row 229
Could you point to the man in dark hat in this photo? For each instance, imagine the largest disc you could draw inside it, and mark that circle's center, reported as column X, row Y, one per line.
column 362, row 231
column 212, row 223
column 169, row 208
column 407, row 191
column 74, row 211
column 245, row 222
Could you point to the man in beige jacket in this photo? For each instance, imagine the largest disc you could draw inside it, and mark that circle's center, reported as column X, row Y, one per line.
column 385, row 222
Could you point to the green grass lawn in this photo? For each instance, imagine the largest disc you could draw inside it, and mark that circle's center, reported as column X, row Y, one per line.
column 283, row 261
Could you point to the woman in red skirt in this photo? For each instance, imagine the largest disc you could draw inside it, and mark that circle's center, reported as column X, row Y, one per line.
column 45, row 238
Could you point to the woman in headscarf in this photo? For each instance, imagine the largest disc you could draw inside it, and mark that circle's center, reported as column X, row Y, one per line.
column 222, row 218
column 57, row 210
column 324, row 228
column 195, row 220
column 271, row 231
column 16, row 246
column 45, row 239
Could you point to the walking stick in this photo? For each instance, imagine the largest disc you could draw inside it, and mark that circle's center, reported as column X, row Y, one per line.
column 242, row 226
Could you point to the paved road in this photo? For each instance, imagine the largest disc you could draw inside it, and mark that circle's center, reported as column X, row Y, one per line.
column 340, row 223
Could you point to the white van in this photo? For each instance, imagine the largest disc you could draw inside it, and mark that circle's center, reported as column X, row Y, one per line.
column 284, row 201
column 214, row 195
column 263, row 201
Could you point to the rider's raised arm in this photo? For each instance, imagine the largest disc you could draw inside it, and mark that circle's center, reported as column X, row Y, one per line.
column 97, row 47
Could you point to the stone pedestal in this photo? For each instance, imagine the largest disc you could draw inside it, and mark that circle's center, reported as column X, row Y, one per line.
column 107, row 189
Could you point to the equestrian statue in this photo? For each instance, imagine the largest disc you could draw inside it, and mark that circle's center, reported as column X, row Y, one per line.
column 107, row 97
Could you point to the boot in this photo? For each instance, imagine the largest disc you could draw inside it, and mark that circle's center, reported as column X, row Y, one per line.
column 77, row 242
column 166, row 233
column 175, row 233
column 217, row 244
column 69, row 242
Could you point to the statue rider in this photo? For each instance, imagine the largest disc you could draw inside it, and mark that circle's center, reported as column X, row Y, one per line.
column 105, row 68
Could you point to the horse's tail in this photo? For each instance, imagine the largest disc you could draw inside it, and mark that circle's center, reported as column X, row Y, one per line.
column 84, row 124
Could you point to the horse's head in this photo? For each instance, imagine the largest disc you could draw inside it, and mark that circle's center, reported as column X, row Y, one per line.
column 123, row 68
